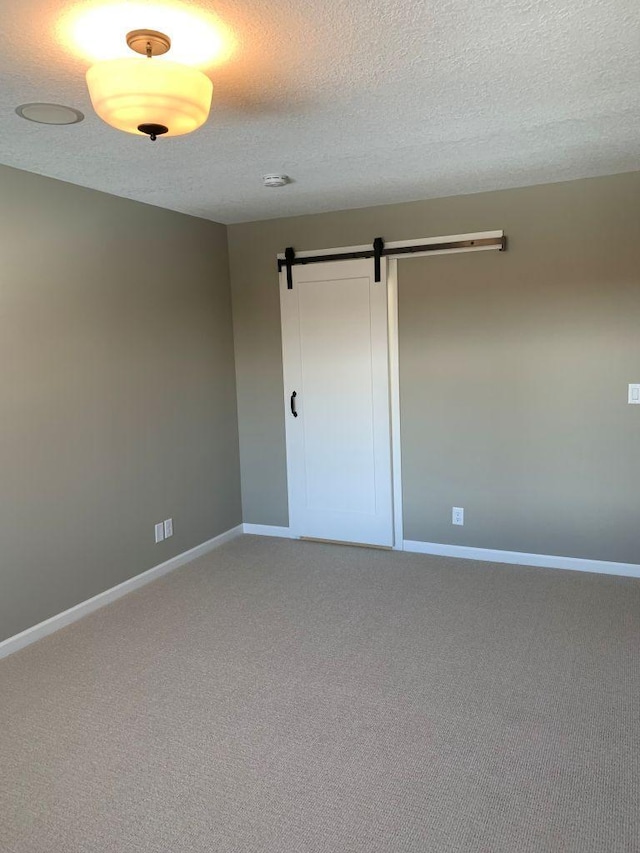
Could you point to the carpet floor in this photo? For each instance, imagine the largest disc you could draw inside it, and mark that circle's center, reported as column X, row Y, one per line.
column 296, row 697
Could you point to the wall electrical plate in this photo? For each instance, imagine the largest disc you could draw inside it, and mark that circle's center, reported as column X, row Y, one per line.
column 634, row 395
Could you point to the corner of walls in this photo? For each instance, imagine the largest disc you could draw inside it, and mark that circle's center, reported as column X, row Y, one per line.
column 118, row 389
column 258, row 362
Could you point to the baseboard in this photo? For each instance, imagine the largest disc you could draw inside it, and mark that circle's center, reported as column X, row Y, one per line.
column 267, row 530
column 78, row 611
column 545, row 561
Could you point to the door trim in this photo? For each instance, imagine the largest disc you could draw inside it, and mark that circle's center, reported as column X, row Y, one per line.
column 394, row 399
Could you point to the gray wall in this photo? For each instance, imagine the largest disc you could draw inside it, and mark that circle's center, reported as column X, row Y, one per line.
column 117, row 392
column 514, row 367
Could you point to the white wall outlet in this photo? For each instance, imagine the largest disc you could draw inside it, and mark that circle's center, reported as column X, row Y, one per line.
column 159, row 532
column 634, row 395
column 457, row 515
column 168, row 528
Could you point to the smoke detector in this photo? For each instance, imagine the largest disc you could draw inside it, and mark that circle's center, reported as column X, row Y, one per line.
column 275, row 180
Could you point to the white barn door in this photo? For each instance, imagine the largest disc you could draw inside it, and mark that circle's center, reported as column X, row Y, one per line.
column 336, row 379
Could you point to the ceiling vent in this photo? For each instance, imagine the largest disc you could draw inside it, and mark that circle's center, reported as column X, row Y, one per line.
column 49, row 113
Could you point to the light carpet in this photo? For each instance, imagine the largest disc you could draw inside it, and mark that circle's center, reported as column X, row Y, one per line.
column 295, row 697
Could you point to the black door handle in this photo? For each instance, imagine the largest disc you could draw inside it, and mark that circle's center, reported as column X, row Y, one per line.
column 293, row 404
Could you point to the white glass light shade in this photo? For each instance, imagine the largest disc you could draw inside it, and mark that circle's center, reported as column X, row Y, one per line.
column 128, row 92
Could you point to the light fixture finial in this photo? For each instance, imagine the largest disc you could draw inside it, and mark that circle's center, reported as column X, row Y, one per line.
column 148, row 42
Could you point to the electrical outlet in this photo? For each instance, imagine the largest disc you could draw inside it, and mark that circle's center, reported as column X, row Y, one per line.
column 457, row 515
column 168, row 528
column 159, row 532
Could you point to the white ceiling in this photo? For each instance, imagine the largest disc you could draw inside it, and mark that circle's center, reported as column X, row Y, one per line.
column 362, row 102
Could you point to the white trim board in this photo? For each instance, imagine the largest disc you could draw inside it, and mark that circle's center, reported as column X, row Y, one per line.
column 78, row 611
column 394, row 400
column 544, row 561
column 268, row 530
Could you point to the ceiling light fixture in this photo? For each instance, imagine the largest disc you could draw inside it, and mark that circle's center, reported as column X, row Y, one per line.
column 153, row 97
column 49, row 113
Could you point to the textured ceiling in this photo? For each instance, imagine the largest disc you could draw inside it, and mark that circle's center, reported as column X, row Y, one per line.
column 362, row 102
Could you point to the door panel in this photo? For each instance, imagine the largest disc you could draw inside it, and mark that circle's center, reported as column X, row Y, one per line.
column 336, row 359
